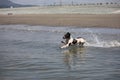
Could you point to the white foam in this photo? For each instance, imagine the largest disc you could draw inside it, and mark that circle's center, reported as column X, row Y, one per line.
column 105, row 44
column 116, row 12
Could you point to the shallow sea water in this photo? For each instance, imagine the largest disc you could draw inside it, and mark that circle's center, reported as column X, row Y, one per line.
column 34, row 53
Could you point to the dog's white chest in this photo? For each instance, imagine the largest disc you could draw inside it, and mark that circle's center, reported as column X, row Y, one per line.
column 71, row 40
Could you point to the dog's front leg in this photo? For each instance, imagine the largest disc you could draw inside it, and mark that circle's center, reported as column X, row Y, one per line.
column 63, row 42
column 65, row 46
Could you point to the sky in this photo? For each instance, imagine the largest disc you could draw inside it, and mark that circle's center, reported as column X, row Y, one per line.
column 48, row 2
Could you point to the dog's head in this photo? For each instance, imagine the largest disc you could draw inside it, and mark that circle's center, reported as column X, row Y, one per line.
column 67, row 36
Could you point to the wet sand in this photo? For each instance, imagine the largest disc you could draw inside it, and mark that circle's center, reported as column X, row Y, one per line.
column 78, row 20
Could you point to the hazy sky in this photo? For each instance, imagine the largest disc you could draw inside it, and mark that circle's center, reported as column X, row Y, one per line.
column 40, row 2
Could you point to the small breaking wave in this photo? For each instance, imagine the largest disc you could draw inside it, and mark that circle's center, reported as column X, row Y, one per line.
column 29, row 28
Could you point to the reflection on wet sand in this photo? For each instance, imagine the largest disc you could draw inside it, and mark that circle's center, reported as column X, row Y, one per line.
column 74, row 56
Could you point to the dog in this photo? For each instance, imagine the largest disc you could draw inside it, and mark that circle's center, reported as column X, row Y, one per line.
column 69, row 41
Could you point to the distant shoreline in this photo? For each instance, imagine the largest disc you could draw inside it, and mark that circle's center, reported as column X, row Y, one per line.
column 78, row 20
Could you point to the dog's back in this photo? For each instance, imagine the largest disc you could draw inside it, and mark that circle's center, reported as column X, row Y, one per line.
column 80, row 39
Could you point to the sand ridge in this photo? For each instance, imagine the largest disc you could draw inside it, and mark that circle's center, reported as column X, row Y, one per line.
column 78, row 20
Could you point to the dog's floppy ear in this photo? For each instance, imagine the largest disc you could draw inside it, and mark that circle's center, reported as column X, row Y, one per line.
column 68, row 33
column 66, row 36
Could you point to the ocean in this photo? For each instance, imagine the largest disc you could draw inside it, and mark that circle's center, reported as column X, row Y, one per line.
column 33, row 53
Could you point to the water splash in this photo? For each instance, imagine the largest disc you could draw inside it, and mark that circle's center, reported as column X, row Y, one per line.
column 104, row 44
column 98, row 42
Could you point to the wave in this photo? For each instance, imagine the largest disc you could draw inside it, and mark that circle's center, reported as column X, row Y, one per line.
column 29, row 28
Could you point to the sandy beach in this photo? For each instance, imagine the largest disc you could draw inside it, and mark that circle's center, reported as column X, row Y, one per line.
column 78, row 20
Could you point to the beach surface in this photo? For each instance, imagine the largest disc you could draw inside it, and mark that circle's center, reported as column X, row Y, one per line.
column 78, row 20
column 78, row 16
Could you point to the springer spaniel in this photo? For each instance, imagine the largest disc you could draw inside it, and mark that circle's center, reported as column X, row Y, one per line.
column 69, row 41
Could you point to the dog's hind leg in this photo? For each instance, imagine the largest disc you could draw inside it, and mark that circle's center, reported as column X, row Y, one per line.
column 81, row 44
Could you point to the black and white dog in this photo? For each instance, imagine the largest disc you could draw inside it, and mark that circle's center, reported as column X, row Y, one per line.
column 69, row 41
